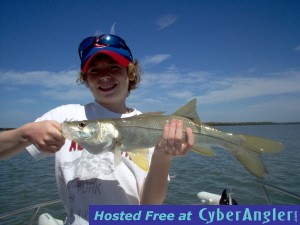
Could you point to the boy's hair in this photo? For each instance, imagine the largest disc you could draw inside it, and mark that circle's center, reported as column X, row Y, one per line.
column 133, row 72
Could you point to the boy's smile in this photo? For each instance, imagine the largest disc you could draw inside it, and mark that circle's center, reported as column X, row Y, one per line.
column 107, row 87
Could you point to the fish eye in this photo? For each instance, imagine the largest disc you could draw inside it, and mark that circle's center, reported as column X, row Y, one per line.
column 82, row 124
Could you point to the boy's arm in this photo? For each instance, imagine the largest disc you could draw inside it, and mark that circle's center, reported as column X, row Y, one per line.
column 45, row 135
column 156, row 183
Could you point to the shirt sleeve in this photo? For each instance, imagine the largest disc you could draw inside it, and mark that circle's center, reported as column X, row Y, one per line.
column 35, row 153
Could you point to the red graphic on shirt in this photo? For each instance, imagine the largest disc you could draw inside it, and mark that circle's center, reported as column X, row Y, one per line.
column 75, row 147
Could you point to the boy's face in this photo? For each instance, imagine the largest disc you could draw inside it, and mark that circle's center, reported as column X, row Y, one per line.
column 107, row 81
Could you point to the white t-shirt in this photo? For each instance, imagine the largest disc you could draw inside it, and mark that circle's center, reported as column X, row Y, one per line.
column 85, row 179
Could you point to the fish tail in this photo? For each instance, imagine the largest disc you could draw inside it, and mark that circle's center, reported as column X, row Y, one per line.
column 249, row 153
column 262, row 145
column 252, row 161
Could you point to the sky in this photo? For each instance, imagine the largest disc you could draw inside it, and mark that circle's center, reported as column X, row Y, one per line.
column 240, row 59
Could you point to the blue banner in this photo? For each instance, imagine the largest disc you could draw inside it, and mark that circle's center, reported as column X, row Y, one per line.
column 194, row 214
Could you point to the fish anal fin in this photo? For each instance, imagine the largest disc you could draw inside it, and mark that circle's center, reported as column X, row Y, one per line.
column 141, row 158
column 203, row 150
column 189, row 111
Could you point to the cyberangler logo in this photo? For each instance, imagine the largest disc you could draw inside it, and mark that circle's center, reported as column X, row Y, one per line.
column 213, row 215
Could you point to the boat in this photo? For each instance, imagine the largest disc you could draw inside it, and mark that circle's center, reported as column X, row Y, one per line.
column 206, row 198
column 47, row 219
column 43, row 219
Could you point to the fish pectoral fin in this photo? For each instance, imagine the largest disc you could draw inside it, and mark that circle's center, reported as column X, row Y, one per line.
column 141, row 158
column 203, row 150
column 262, row 145
column 117, row 154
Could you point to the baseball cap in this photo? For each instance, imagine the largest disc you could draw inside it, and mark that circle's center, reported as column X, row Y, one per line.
column 108, row 44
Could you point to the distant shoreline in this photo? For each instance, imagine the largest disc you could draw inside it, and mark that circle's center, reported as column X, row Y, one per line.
column 246, row 123
column 221, row 124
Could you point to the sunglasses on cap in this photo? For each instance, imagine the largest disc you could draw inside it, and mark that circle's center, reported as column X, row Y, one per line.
column 108, row 40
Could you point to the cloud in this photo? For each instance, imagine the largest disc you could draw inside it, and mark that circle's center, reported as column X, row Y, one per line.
column 55, row 85
column 26, row 101
column 241, row 97
column 98, row 33
column 155, row 60
column 239, row 88
column 297, row 48
column 69, row 94
column 181, row 94
column 112, row 29
column 173, row 77
column 280, row 109
column 166, row 20
column 40, row 78
column 11, row 118
column 206, row 86
column 212, row 88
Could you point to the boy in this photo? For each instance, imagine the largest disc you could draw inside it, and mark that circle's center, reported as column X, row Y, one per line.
column 110, row 72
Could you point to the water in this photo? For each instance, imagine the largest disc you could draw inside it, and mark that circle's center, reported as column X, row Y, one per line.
column 26, row 182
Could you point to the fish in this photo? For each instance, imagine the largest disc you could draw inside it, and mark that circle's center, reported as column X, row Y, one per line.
column 136, row 134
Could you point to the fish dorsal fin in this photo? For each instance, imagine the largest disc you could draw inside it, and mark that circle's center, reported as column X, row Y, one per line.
column 151, row 114
column 189, row 111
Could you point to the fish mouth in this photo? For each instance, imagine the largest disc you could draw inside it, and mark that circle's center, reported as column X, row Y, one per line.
column 107, row 87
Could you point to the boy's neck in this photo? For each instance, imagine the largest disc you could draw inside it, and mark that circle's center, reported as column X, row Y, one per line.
column 117, row 108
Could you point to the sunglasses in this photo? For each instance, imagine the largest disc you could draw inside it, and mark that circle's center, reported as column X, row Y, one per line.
column 103, row 40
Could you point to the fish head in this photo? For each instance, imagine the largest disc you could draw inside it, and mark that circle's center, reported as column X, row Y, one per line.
column 94, row 136
column 79, row 130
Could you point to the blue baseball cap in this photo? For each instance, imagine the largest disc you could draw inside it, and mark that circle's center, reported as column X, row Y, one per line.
column 108, row 44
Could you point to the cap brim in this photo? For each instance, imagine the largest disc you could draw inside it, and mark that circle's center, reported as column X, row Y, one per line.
column 120, row 59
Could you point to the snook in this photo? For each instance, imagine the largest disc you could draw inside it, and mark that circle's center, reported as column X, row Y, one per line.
column 144, row 131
